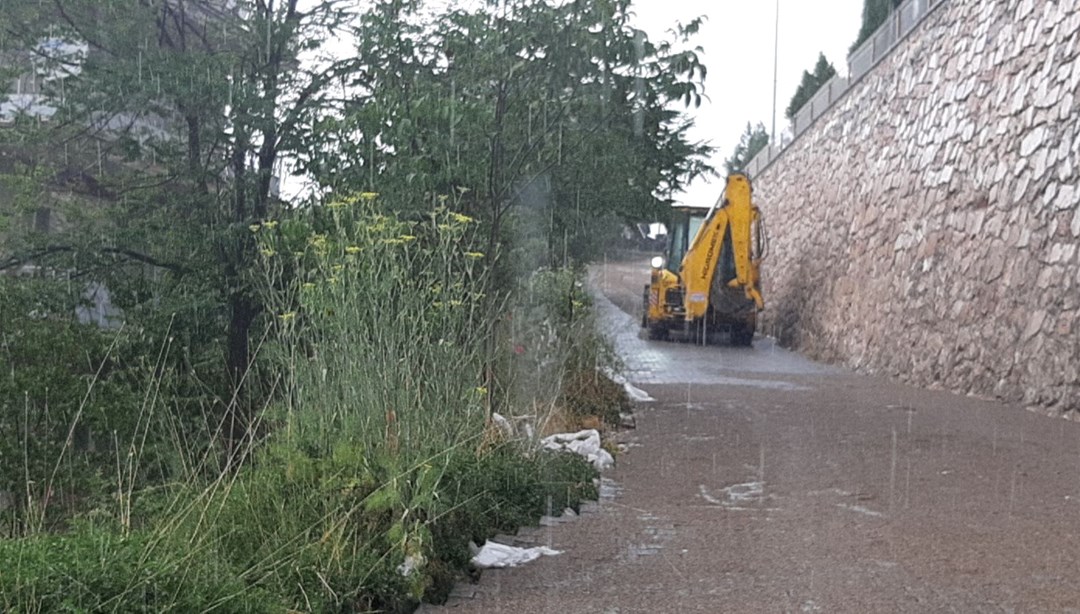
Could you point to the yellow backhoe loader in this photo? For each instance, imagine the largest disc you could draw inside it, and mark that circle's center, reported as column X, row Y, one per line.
column 708, row 280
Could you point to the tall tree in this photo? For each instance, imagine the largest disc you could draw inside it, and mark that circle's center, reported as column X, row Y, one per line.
column 753, row 140
column 810, row 84
column 874, row 13
column 532, row 103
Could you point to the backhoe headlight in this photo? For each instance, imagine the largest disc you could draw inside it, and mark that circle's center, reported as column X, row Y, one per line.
column 658, row 262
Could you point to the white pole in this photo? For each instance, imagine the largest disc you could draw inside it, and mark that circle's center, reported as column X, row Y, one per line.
column 776, row 64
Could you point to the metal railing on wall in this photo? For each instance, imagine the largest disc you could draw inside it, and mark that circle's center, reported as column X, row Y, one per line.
column 897, row 26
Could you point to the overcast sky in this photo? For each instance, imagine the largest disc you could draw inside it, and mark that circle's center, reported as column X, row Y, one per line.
column 738, row 38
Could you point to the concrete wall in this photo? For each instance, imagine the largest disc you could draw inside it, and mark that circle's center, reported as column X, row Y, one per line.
column 927, row 228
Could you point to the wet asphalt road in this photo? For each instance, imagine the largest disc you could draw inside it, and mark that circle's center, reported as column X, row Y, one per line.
column 762, row 482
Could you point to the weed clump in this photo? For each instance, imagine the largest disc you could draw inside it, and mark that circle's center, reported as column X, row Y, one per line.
column 591, row 393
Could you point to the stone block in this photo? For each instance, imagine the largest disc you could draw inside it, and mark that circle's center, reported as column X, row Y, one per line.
column 1032, row 141
column 1066, row 197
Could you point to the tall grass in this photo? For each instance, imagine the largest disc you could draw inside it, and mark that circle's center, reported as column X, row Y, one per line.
column 384, row 326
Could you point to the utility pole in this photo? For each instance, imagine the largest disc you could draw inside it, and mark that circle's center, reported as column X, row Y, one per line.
column 776, row 65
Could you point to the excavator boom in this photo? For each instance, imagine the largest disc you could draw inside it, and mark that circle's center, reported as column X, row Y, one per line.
column 715, row 285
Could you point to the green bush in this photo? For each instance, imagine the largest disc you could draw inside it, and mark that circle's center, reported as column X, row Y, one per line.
column 498, row 492
column 64, row 401
column 95, row 570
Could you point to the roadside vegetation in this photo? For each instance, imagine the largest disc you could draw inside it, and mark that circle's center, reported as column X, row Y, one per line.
column 308, row 400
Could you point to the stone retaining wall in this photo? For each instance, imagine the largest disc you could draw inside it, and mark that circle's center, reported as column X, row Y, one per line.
column 927, row 227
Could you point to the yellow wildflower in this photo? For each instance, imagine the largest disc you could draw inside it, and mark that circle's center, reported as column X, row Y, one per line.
column 393, row 241
column 443, row 197
column 332, row 280
column 308, row 286
column 337, row 204
column 481, row 390
column 254, row 228
column 267, row 252
column 369, row 196
column 353, row 250
column 271, row 224
column 407, row 238
column 474, row 255
column 318, row 240
column 455, row 303
column 461, row 218
column 288, row 315
column 337, row 268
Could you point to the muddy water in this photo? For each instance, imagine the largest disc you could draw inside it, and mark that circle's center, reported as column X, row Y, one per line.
column 759, row 481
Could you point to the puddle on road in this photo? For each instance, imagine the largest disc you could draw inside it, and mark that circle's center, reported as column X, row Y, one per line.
column 745, row 497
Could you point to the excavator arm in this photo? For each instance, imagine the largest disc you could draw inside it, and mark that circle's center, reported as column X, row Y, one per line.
column 723, row 247
column 711, row 282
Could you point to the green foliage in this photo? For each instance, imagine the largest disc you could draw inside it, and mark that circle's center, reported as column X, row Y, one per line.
column 383, row 333
column 64, row 399
column 523, row 107
column 100, row 570
column 375, row 461
column 357, row 442
column 753, row 140
column 810, row 84
column 382, row 324
column 874, row 13
column 549, row 337
column 497, row 492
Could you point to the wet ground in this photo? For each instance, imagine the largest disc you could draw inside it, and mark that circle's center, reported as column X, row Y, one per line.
column 760, row 481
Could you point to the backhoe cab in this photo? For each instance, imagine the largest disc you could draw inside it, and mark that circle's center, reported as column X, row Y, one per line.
column 708, row 279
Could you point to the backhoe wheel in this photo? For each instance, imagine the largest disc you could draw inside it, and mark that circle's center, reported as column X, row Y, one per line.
column 657, row 331
column 742, row 335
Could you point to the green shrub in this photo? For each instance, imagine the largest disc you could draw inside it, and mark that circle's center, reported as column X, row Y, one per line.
column 95, row 570
column 500, row 491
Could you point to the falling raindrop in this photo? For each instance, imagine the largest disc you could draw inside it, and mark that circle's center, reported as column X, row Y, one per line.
column 907, row 485
column 1012, row 494
column 761, row 464
column 892, row 473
